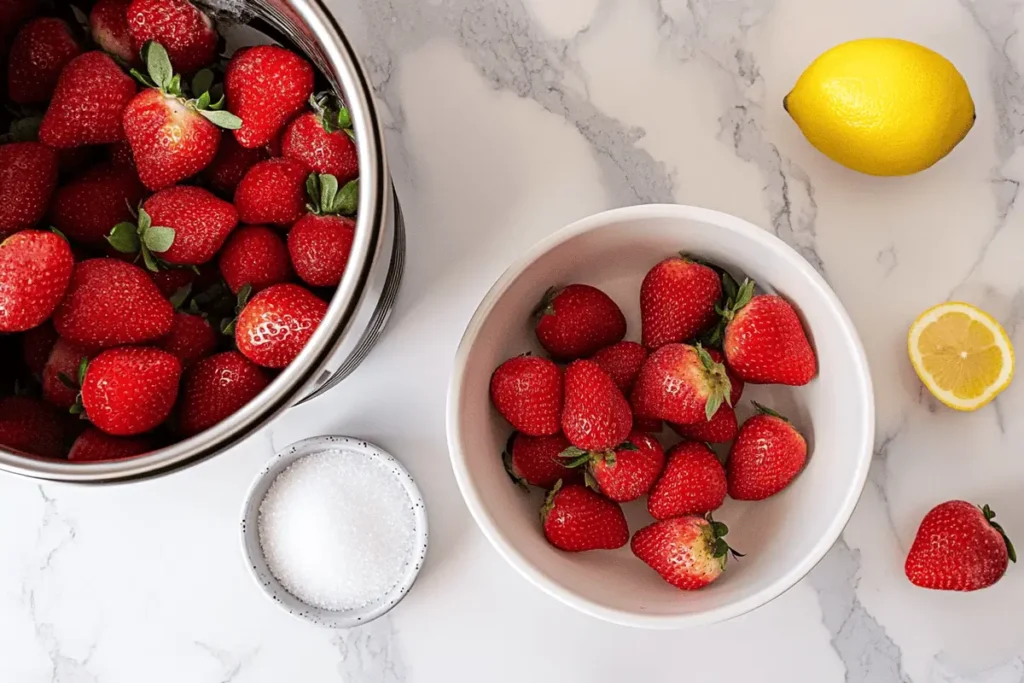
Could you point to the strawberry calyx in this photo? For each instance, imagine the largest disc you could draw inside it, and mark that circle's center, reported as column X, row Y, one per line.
column 506, row 461
column 142, row 238
column 327, row 199
column 714, row 539
column 765, row 410
column 717, row 382
column 227, row 325
column 78, row 408
column 574, row 457
column 331, row 113
column 549, row 501
column 990, row 516
column 547, row 303
column 737, row 299
column 23, row 129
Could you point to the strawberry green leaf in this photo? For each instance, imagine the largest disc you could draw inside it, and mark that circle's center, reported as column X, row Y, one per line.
column 125, row 238
column 147, row 258
column 142, row 78
column 244, row 292
column 506, row 461
column 67, row 381
column 58, row 233
column 765, row 410
column 144, row 220
column 25, row 129
column 158, row 64
column 714, row 403
column 590, row 482
column 990, row 518
column 348, row 199
column 83, row 365
column 77, row 409
column 729, row 287
column 203, row 101
column 158, row 238
column 547, row 303
column 627, row 446
column 313, row 190
column 179, row 298
column 344, row 118
column 221, row 119
column 227, row 327
column 202, row 82
column 174, row 87
column 719, row 528
column 328, row 192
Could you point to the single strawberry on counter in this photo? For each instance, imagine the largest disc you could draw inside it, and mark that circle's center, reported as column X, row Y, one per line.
column 108, row 25
column 88, row 207
column 36, row 345
column 535, row 460
column 230, row 165
column 624, row 474
column 88, row 103
column 40, row 51
column 577, row 519
column 596, row 416
column 622, row 361
column 35, row 271
column 682, row 384
column 216, row 388
column 677, row 301
column 266, row 86
column 28, row 177
column 272, row 192
column 254, row 255
column 62, row 374
column 130, row 390
column 31, row 426
column 959, row 547
column 92, row 445
column 529, row 393
column 276, row 324
column 722, row 428
column 179, row 26
column 320, row 242
column 577, row 321
column 693, row 483
column 191, row 338
column 322, row 139
column 688, row 552
column 767, row 455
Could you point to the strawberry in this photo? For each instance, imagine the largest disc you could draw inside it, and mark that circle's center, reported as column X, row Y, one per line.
column 179, row 26
column 322, row 139
column 276, row 324
column 90, row 205
column 35, row 269
column 577, row 321
column 108, row 24
column 622, row 362
column 61, row 380
column 112, row 303
column 688, row 552
column 722, row 428
column 272, row 191
column 92, row 445
column 256, row 256
column 682, row 384
column 266, row 85
column 735, row 383
column 216, row 388
column 529, row 392
column 765, row 341
column 190, row 339
column 535, row 460
column 959, row 547
column 12, row 14
column 626, row 473
column 677, row 301
column 130, row 390
column 693, row 483
column 320, row 242
column 576, row 519
column 28, row 176
column 767, row 455
column 40, row 51
column 36, row 345
column 31, row 426
column 88, row 103
column 230, row 165
column 596, row 416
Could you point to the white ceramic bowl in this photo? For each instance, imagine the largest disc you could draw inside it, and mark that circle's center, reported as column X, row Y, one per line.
column 783, row 537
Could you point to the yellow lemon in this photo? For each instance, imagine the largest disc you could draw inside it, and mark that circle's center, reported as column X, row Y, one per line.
column 961, row 354
column 882, row 106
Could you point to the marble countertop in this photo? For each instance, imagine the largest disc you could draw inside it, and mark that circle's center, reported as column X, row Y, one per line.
column 506, row 120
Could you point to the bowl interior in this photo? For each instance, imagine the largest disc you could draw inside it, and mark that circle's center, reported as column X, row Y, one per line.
column 782, row 537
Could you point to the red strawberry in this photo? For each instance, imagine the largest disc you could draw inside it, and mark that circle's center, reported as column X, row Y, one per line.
column 529, row 393
column 111, row 303
column 322, row 139
column 688, row 552
column 60, row 375
column 40, row 51
column 89, row 206
column 170, row 281
column 576, row 519
column 36, row 345
column 535, row 460
column 230, row 165
column 765, row 341
column 28, row 176
column 276, row 324
column 266, row 85
column 693, row 483
column 722, row 428
column 92, row 445
column 767, row 455
column 130, row 390
column 256, row 256
column 596, row 416
column 682, row 384
column 677, row 301
column 87, row 105
column 577, row 321
column 216, row 388
column 31, row 426
column 319, row 247
column 178, row 25
column 35, row 269
column 626, row 473
column 108, row 24
column 190, row 339
column 622, row 362
column 272, row 191
column 959, row 547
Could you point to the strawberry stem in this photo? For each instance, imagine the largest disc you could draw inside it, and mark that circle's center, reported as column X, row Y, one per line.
column 765, row 410
column 990, row 516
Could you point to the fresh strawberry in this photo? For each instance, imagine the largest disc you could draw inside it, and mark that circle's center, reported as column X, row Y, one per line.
column 577, row 321
column 626, row 473
column 108, row 24
column 31, row 426
column 190, row 339
column 767, row 455
column 35, row 269
column 40, row 51
column 596, row 416
column 61, row 380
column 576, row 519
column 112, row 303
column 529, row 392
column 688, row 552
column 266, row 85
column 693, row 483
column 959, row 547
column 765, row 341
column 622, row 362
column 36, row 345
column 130, row 390
column 170, row 281
column 28, row 176
column 722, row 428
column 92, row 445
column 216, row 388
column 276, row 324
column 272, row 192
column 89, row 206
column 88, row 103
column 535, row 460
column 322, row 139
column 682, row 384
column 677, row 301
column 320, row 242
column 230, row 165
column 179, row 26
column 256, row 256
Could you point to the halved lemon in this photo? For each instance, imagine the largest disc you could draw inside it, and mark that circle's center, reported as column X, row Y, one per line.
column 961, row 354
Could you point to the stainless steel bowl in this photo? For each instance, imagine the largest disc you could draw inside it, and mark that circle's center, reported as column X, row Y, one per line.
column 360, row 307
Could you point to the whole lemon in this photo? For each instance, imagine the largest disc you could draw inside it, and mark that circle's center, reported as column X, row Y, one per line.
column 882, row 106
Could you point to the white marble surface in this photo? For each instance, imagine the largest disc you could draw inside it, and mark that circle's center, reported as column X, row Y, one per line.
column 506, row 120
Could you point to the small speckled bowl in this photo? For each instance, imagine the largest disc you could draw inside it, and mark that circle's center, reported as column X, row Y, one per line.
column 254, row 552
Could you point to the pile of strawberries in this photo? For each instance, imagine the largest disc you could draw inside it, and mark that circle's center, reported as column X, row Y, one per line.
column 174, row 222
column 584, row 431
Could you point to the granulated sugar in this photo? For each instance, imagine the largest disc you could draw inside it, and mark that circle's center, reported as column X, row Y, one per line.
column 338, row 529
